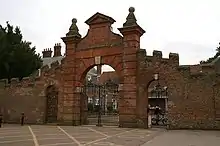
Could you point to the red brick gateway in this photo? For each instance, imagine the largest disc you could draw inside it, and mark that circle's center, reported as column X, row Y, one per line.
column 194, row 95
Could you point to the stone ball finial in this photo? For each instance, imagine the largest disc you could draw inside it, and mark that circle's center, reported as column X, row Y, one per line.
column 131, row 9
column 74, row 20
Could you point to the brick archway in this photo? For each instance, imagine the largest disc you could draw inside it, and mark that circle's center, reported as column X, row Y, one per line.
column 101, row 46
column 113, row 61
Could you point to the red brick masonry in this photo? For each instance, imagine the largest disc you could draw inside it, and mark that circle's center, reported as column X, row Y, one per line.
column 194, row 92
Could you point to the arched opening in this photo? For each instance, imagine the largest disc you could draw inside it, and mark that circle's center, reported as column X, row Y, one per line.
column 157, row 103
column 51, row 104
column 99, row 98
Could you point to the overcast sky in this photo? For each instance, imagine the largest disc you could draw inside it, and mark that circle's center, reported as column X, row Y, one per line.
column 188, row 27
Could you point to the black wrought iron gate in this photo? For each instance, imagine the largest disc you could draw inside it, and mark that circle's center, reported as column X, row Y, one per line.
column 102, row 103
column 52, row 105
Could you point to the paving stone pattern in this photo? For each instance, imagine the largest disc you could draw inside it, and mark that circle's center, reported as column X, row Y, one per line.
column 103, row 136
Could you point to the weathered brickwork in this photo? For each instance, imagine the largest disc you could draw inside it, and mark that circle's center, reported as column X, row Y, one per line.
column 194, row 91
column 193, row 96
column 28, row 95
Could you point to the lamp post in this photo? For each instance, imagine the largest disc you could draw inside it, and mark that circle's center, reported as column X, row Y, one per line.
column 166, row 98
column 99, row 111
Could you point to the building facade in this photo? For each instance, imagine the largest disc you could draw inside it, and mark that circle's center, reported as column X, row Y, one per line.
column 193, row 95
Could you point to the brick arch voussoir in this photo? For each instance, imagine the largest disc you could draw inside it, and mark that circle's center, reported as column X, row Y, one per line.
column 81, row 65
column 163, row 78
column 148, row 80
column 114, row 64
column 117, row 65
column 81, row 72
column 48, row 86
column 89, row 64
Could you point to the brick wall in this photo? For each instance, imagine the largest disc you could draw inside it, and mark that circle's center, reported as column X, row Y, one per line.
column 192, row 96
column 15, row 99
column 28, row 96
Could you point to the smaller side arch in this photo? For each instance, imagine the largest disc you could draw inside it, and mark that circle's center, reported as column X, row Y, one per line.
column 156, row 91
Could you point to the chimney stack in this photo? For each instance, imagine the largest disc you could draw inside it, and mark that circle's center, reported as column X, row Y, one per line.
column 47, row 53
column 57, row 50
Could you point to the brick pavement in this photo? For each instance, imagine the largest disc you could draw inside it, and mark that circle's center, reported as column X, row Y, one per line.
column 42, row 135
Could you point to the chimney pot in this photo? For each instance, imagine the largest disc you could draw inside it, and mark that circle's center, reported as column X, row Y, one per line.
column 47, row 53
column 57, row 50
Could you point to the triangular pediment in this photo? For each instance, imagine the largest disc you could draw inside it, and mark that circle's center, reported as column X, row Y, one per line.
column 99, row 18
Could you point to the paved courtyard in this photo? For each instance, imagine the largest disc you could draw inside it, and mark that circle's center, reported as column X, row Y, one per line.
column 37, row 135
